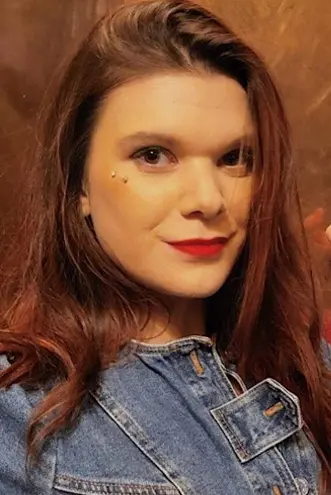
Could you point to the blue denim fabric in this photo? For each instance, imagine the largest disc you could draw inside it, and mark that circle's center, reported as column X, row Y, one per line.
column 166, row 420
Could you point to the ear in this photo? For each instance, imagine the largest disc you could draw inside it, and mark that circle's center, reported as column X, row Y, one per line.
column 85, row 204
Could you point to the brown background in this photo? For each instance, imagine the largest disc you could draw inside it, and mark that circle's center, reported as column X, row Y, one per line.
column 294, row 36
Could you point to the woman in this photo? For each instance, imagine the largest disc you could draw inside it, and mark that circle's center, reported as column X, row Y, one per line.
column 161, row 333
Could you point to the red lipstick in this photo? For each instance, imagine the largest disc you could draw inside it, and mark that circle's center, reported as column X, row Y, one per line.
column 200, row 247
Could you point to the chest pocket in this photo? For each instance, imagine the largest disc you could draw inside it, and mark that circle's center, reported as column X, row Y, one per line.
column 67, row 484
column 256, row 424
column 259, row 419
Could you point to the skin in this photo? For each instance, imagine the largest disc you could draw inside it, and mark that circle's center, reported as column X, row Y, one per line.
column 328, row 233
column 190, row 190
column 315, row 228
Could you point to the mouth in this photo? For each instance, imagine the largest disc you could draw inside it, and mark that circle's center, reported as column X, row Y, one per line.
column 201, row 248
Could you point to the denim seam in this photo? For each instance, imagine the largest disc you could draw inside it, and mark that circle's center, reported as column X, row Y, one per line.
column 286, row 479
column 123, row 419
column 221, row 377
column 235, row 440
column 285, row 469
column 108, row 486
column 244, row 404
column 253, row 392
column 227, row 429
column 184, row 344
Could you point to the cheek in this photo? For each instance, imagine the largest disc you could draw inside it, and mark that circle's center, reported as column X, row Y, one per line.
column 126, row 210
column 238, row 199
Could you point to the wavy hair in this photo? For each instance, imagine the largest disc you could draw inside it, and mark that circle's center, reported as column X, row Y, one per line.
column 67, row 309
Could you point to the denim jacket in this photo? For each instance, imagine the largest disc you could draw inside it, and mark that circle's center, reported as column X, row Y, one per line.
column 166, row 421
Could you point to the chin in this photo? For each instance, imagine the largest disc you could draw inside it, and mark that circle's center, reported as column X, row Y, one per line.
column 197, row 285
column 192, row 291
column 201, row 294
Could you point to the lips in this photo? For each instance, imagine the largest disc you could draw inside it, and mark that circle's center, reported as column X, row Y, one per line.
column 201, row 247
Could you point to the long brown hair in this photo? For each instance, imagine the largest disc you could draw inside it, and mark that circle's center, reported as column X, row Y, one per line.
column 68, row 309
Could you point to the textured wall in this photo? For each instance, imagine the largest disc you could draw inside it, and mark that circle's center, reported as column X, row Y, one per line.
column 293, row 35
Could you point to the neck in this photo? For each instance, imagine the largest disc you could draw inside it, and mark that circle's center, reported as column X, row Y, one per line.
column 186, row 318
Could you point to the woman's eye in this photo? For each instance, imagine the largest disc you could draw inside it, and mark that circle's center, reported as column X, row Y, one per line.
column 153, row 156
column 241, row 158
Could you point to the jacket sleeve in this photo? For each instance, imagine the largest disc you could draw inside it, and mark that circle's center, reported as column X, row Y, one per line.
column 15, row 411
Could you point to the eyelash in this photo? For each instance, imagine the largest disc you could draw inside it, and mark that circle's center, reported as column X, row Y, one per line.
column 143, row 152
column 237, row 153
column 243, row 155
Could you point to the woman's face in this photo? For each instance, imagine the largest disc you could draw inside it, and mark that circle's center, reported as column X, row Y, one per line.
column 176, row 139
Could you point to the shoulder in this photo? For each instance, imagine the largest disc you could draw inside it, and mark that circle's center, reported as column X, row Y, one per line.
column 14, row 405
column 14, row 418
column 15, row 414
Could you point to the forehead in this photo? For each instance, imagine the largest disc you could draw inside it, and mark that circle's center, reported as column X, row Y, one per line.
column 190, row 106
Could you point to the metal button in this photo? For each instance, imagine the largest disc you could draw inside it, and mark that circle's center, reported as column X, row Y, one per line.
column 303, row 486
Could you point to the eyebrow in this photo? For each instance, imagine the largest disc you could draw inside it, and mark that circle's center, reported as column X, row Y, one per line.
column 140, row 136
column 171, row 141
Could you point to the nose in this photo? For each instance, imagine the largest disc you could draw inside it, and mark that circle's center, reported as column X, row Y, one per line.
column 202, row 194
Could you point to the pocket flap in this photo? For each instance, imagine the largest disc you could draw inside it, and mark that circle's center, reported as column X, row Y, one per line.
column 259, row 419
